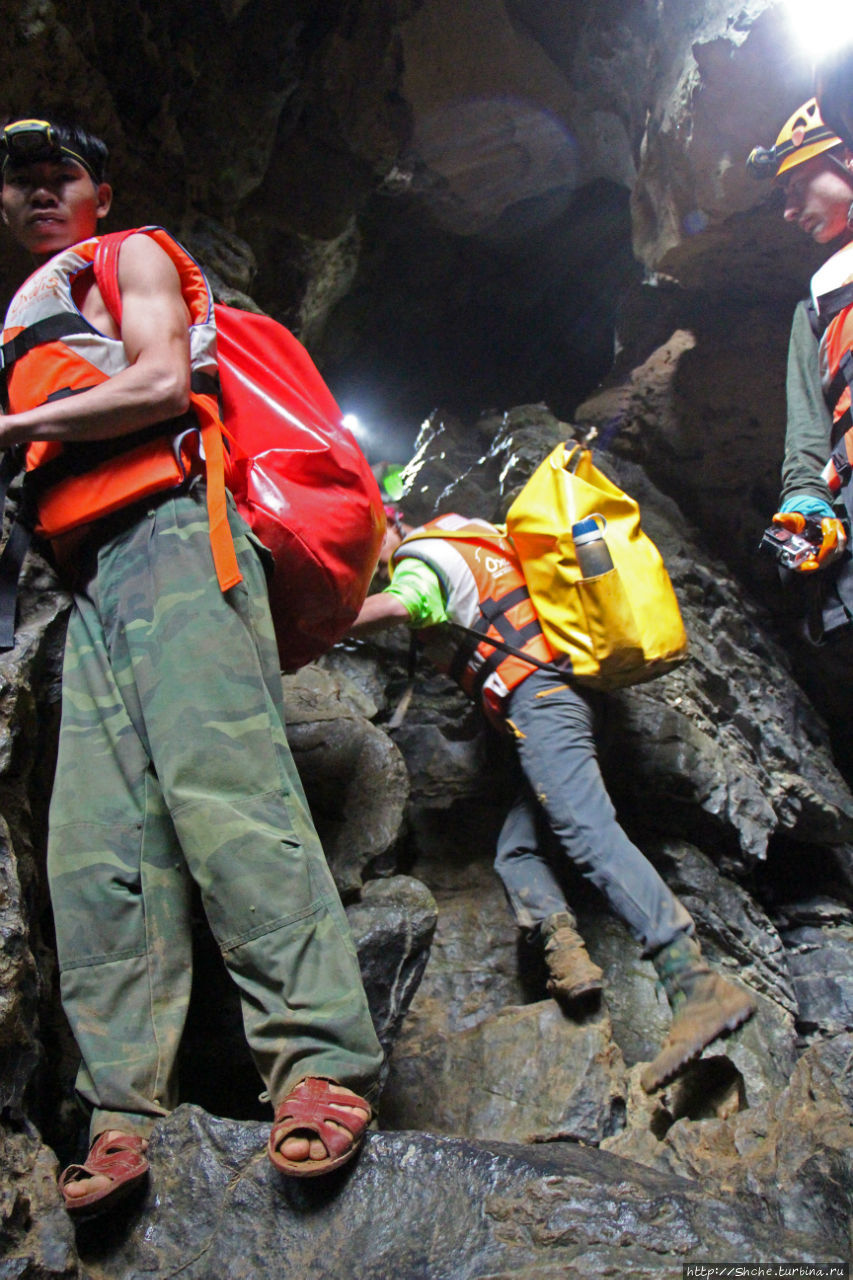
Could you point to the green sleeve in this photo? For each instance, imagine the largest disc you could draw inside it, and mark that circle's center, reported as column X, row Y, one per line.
column 809, row 430
column 420, row 590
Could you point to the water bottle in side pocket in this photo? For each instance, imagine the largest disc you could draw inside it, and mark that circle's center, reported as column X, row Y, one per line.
column 591, row 549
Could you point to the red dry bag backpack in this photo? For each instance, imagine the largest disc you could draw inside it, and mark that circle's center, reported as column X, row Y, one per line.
column 297, row 474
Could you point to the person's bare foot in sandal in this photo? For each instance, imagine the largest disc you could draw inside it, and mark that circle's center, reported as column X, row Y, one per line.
column 115, row 1165
column 318, row 1127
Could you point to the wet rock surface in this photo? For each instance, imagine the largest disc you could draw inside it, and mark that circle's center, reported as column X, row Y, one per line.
column 819, row 960
column 393, row 924
column 798, row 1145
column 354, row 776
column 419, row 1205
column 36, row 1235
column 526, row 1074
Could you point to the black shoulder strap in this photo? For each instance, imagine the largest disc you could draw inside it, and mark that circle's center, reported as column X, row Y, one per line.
column 48, row 330
column 829, row 304
column 204, row 384
column 563, row 672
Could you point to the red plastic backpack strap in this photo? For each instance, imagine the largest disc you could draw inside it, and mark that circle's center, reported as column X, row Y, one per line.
column 106, row 271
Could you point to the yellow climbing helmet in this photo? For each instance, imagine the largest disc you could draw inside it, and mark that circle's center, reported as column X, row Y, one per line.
column 803, row 136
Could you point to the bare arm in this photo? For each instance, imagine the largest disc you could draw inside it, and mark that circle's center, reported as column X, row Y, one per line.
column 378, row 613
column 155, row 386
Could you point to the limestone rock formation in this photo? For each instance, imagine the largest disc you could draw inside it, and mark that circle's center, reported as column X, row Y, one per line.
column 798, row 1145
column 393, row 924
column 478, row 205
column 354, row 777
column 36, row 1235
column 422, row 1205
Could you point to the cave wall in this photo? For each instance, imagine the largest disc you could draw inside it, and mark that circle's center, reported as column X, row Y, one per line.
column 467, row 205
column 448, row 201
column 479, row 205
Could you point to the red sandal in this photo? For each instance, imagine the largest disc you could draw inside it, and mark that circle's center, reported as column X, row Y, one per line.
column 308, row 1109
column 120, row 1158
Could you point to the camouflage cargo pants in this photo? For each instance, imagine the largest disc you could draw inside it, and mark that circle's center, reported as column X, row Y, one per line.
column 173, row 764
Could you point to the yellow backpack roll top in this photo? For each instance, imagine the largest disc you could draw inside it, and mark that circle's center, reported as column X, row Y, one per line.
column 616, row 627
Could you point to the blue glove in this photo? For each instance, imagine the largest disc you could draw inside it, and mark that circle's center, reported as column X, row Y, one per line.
column 808, row 505
column 803, row 508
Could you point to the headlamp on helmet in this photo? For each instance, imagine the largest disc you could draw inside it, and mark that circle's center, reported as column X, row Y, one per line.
column 802, row 137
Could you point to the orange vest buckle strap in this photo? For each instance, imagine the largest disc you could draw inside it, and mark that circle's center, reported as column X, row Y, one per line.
column 831, row 298
column 495, row 615
column 151, row 462
column 831, row 304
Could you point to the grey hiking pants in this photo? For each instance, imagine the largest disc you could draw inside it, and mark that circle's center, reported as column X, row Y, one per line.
column 174, row 766
column 552, row 724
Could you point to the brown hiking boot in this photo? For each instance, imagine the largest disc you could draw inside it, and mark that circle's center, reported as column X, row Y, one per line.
column 705, row 1006
column 572, row 975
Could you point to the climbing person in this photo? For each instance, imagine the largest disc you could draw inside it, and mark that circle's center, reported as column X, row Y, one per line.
column 456, row 570
column 173, row 764
column 815, row 169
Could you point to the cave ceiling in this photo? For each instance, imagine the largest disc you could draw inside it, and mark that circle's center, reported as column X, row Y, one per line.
column 455, row 203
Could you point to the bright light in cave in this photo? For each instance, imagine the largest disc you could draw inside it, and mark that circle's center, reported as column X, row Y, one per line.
column 820, row 27
column 353, row 423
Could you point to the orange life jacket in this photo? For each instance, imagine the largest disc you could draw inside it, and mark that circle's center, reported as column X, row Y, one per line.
column 832, row 312
column 485, row 590
column 52, row 351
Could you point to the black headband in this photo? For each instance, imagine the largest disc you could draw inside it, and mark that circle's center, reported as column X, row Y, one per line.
column 30, row 141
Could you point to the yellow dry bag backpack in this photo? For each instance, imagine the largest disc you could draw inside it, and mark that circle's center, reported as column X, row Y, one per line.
column 602, row 593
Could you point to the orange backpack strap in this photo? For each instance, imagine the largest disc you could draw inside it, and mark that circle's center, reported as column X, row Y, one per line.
column 221, row 543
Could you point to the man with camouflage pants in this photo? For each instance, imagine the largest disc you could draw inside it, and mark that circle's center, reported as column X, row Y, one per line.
column 173, row 763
